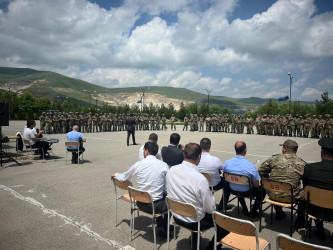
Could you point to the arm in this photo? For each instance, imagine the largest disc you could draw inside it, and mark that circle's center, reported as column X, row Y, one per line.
column 206, row 197
column 127, row 175
column 265, row 169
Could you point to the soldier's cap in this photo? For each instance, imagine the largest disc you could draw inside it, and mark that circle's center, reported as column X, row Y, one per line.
column 326, row 142
column 290, row 144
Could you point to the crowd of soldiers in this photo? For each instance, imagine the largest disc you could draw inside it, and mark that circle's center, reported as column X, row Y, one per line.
column 274, row 125
column 62, row 122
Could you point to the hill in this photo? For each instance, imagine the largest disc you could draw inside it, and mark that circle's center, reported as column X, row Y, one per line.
column 57, row 87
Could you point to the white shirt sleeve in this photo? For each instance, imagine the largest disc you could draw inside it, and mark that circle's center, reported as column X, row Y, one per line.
column 128, row 174
column 141, row 155
column 206, row 196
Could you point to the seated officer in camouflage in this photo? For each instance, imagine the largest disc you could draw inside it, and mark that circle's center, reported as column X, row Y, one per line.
column 286, row 167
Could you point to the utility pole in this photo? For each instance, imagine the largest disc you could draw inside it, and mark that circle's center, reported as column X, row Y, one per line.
column 291, row 82
column 142, row 98
column 208, row 92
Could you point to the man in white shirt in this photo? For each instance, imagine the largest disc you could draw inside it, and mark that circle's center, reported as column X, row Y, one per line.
column 150, row 176
column 212, row 165
column 153, row 138
column 34, row 139
column 185, row 183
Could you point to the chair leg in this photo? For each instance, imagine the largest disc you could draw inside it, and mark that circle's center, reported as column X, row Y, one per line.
column 271, row 214
column 291, row 221
column 168, row 232
column 154, row 231
column 116, row 208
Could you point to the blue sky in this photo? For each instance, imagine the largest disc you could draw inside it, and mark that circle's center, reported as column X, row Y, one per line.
column 237, row 48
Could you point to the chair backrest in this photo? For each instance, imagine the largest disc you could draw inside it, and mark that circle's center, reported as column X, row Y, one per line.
column 121, row 184
column 27, row 142
column 208, row 177
column 276, row 186
column 286, row 242
column 181, row 208
column 139, row 195
column 234, row 225
column 319, row 197
column 236, row 179
column 71, row 144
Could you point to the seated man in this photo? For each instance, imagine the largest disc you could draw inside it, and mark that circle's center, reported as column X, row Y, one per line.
column 285, row 167
column 76, row 136
column 173, row 154
column 185, row 183
column 150, row 176
column 320, row 175
column 153, row 138
column 34, row 138
column 240, row 166
column 213, row 166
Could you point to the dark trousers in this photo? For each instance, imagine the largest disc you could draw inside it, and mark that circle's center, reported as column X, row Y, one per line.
column 74, row 151
column 160, row 207
column 256, row 192
column 205, row 223
column 128, row 136
column 41, row 144
column 226, row 189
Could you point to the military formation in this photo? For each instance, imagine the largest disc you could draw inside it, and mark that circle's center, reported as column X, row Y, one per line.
column 273, row 125
column 62, row 122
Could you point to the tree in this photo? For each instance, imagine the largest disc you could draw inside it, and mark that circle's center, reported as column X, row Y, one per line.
column 181, row 112
column 325, row 105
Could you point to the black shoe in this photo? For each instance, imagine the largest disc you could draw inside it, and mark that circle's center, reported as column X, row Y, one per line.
column 254, row 214
column 74, row 161
column 246, row 212
column 220, row 207
column 280, row 215
column 161, row 233
column 320, row 234
column 135, row 144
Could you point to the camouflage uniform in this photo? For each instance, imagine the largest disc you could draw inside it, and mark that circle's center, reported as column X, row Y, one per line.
column 185, row 122
column 164, row 123
column 286, row 168
column 48, row 124
column 173, row 120
column 42, row 121
column 201, row 123
column 208, row 120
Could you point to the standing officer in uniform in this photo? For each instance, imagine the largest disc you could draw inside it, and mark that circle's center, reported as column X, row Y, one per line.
column 130, row 122
column 173, row 120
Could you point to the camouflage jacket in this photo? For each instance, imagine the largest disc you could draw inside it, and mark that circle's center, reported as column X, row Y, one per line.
column 283, row 167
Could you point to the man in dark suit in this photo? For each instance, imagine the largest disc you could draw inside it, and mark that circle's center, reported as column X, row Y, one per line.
column 173, row 154
column 130, row 122
column 320, row 175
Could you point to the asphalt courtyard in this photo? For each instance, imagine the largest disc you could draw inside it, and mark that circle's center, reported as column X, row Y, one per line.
column 51, row 205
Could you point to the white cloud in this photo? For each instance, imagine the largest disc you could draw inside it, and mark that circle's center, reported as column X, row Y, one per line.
column 325, row 84
column 310, row 94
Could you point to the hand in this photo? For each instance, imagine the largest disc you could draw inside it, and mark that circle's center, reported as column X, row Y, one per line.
column 41, row 131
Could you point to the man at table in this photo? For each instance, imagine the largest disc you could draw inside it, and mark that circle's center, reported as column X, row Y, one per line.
column 34, row 139
column 76, row 136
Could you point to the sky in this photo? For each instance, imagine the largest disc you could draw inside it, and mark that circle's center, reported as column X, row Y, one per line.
column 235, row 48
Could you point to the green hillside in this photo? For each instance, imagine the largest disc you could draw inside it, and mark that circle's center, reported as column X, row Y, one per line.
column 59, row 88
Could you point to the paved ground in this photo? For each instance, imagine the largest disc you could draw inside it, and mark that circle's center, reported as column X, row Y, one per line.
column 53, row 205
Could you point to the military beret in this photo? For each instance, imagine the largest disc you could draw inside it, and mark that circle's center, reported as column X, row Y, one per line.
column 326, row 142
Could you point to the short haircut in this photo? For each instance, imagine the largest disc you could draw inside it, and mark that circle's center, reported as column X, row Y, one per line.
column 240, row 148
column 192, row 151
column 152, row 147
column 205, row 143
column 174, row 138
column 327, row 151
column 153, row 137
column 29, row 123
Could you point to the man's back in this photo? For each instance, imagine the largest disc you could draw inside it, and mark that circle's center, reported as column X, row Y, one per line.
column 74, row 136
column 212, row 165
column 239, row 165
column 172, row 155
column 186, row 184
column 286, row 168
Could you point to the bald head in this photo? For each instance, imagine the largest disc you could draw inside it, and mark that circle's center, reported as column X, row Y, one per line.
column 76, row 128
column 240, row 148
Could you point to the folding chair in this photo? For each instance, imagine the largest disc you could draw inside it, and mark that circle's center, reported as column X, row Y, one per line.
column 120, row 185
column 239, row 180
column 281, row 187
column 144, row 197
column 318, row 197
column 286, row 242
column 209, row 179
column 73, row 144
column 184, row 209
column 243, row 234
column 28, row 147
